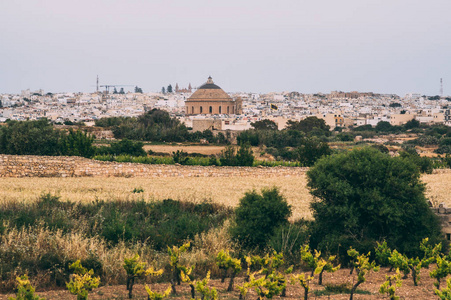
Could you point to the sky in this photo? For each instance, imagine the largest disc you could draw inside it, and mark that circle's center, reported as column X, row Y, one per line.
column 382, row 46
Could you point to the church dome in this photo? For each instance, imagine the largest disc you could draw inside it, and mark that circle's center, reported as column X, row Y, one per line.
column 209, row 91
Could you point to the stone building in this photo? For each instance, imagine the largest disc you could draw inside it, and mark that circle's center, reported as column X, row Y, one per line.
column 210, row 99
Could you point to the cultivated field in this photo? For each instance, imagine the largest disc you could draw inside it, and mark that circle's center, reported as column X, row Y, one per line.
column 225, row 190
column 407, row 291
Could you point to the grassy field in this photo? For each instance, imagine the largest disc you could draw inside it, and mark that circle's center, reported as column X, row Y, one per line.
column 225, row 191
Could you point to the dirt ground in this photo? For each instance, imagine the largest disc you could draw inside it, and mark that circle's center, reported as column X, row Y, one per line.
column 425, row 289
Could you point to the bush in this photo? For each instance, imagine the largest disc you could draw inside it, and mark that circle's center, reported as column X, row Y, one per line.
column 424, row 164
column 364, row 196
column 245, row 156
column 311, row 150
column 257, row 216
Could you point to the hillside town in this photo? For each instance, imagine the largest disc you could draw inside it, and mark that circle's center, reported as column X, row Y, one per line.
column 338, row 109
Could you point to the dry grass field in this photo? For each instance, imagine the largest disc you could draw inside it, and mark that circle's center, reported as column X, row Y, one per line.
column 226, row 191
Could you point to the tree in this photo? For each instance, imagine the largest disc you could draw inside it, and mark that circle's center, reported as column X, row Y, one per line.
column 76, row 143
column 412, row 124
column 310, row 125
column 169, row 89
column 245, row 156
column 115, row 91
column 122, row 91
column 138, row 90
column 364, row 196
column 163, row 90
column 257, row 216
column 311, row 150
column 395, row 104
column 264, row 125
column 384, row 126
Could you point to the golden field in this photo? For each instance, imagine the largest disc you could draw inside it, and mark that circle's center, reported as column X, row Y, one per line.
column 222, row 190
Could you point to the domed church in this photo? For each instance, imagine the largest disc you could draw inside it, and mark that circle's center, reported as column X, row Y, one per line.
column 210, row 99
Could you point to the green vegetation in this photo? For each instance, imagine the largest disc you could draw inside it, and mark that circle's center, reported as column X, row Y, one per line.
column 136, row 269
column 231, row 157
column 25, row 291
column 165, row 223
column 364, row 196
column 40, row 138
column 257, row 216
column 123, row 147
column 177, row 269
column 158, row 126
column 82, row 281
column 390, row 284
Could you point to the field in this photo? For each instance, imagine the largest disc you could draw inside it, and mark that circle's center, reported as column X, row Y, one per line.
column 425, row 290
column 225, row 191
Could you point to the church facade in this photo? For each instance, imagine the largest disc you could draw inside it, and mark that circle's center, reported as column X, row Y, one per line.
column 210, row 99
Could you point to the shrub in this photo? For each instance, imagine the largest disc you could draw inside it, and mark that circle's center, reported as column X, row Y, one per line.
column 227, row 156
column 136, row 269
column 257, row 216
column 364, row 196
column 180, row 157
column 424, row 164
column 245, row 156
column 25, row 291
column 82, row 281
column 311, row 150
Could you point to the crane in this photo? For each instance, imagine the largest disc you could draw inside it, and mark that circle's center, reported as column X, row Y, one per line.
column 108, row 86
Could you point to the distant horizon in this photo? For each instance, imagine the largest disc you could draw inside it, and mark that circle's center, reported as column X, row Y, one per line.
column 194, row 87
column 381, row 46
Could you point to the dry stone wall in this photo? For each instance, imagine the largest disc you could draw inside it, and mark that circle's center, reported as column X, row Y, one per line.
column 72, row 166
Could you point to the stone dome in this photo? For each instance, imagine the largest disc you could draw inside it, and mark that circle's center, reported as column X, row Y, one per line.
column 209, row 92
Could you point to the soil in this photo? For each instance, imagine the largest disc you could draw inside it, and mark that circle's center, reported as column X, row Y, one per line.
column 425, row 289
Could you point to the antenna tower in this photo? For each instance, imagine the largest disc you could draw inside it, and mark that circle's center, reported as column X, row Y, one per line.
column 441, row 86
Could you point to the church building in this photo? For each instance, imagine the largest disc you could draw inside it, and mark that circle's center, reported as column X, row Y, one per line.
column 210, row 99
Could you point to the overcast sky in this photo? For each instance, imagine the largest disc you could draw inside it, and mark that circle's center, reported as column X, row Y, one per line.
column 385, row 46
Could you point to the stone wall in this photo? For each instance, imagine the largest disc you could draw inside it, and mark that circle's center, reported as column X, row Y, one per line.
column 72, row 166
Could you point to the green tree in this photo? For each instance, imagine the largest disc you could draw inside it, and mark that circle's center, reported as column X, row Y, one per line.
column 228, row 156
column 76, row 143
column 384, row 126
column 169, row 89
column 364, row 196
column 310, row 125
column 29, row 138
column 244, row 156
column 258, row 215
column 311, row 150
column 264, row 125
